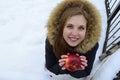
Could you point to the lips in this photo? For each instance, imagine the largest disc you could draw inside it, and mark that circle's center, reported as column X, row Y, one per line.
column 73, row 39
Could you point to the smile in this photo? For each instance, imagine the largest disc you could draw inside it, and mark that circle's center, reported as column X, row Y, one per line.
column 73, row 39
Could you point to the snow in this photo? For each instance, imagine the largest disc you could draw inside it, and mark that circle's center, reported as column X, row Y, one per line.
column 22, row 36
column 109, row 68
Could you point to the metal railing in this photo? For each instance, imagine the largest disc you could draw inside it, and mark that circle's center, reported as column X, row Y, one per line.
column 112, row 40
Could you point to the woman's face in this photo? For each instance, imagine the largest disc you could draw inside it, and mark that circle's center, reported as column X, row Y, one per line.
column 74, row 30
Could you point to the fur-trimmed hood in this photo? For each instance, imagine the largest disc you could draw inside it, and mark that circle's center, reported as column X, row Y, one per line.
column 93, row 30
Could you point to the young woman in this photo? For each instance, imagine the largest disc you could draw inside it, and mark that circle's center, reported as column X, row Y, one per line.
column 73, row 28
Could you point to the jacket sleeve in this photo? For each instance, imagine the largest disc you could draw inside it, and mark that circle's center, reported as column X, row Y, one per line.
column 51, row 62
column 90, row 55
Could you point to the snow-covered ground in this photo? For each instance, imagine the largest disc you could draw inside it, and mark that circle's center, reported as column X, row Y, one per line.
column 22, row 36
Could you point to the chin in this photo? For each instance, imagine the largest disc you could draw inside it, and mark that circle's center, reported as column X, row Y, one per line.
column 73, row 45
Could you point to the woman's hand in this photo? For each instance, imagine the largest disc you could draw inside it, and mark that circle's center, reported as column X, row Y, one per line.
column 62, row 61
column 83, row 62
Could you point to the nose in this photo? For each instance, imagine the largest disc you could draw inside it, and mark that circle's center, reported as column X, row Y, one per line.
column 74, row 32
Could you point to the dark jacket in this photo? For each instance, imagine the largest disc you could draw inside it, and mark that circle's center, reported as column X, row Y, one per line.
column 53, row 65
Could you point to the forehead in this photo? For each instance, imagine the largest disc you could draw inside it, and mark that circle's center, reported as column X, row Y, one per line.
column 76, row 19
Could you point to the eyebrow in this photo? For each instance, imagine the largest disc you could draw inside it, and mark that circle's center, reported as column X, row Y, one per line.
column 72, row 25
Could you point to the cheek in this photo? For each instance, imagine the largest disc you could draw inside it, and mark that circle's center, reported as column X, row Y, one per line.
column 82, row 34
column 65, row 32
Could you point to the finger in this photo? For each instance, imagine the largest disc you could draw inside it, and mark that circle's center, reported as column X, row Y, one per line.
column 82, row 57
column 63, row 68
column 77, row 54
column 64, row 56
column 82, row 67
column 62, row 60
column 84, row 60
column 84, row 64
column 61, row 63
column 68, row 53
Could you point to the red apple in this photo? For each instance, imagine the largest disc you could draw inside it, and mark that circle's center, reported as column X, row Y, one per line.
column 72, row 62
